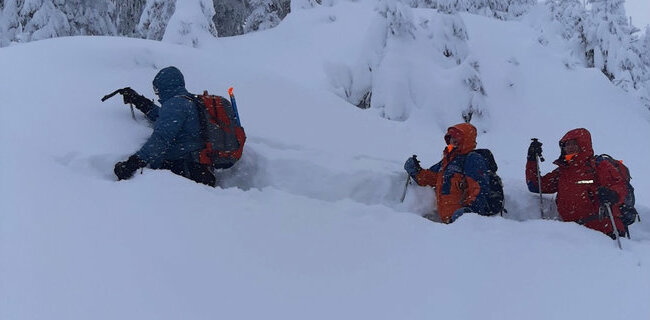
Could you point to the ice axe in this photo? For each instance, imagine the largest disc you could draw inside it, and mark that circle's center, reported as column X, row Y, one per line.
column 120, row 91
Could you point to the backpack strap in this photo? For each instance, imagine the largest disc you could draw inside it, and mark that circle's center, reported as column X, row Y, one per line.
column 220, row 112
column 465, row 184
column 593, row 164
column 204, row 155
column 203, row 122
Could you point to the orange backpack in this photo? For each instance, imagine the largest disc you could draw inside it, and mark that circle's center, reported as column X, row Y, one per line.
column 220, row 129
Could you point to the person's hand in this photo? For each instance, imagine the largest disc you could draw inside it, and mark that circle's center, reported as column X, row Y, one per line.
column 412, row 166
column 535, row 150
column 125, row 169
column 607, row 196
column 130, row 96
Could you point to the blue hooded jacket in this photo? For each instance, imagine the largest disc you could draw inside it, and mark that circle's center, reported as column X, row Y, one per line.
column 175, row 125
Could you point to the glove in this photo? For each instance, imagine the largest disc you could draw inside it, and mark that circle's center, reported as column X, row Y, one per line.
column 459, row 213
column 607, row 196
column 535, row 150
column 412, row 166
column 125, row 169
column 130, row 96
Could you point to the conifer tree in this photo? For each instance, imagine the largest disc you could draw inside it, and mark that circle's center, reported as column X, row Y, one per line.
column 609, row 39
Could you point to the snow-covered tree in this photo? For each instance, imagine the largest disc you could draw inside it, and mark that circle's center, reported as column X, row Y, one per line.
column 571, row 16
column 30, row 20
column 34, row 20
column 501, row 9
column 90, row 17
column 191, row 23
column 399, row 18
column 569, row 13
column 644, row 52
column 154, row 19
column 235, row 17
column 452, row 42
column 645, row 46
column 127, row 15
column 9, row 23
column 230, row 16
column 27, row 20
column 610, row 44
column 413, row 64
column 475, row 97
column 263, row 16
column 516, row 8
column 303, row 4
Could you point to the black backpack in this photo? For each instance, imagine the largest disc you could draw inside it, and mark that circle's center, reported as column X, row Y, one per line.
column 495, row 196
column 628, row 212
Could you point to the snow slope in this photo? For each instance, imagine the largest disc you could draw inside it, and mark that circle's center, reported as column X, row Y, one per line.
column 308, row 225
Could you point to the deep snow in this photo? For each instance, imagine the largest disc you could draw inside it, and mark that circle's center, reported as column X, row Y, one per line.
column 308, row 224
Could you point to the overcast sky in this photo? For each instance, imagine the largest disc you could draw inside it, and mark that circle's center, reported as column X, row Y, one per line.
column 639, row 10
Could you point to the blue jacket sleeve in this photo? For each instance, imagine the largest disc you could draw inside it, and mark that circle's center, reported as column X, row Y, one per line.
column 168, row 122
column 436, row 167
column 152, row 115
column 475, row 169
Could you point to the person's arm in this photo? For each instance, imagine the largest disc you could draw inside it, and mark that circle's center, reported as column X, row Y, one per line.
column 549, row 180
column 428, row 177
column 153, row 113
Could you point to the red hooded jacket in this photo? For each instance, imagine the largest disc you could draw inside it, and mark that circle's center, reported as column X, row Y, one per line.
column 576, row 183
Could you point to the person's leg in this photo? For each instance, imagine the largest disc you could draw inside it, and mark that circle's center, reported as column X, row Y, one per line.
column 177, row 167
column 191, row 170
column 201, row 174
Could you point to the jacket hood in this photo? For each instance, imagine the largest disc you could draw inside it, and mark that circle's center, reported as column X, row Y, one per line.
column 583, row 138
column 168, row 83
column 465, row 133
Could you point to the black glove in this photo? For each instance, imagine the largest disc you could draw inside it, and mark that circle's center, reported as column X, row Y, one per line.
column 534, row 150
column 130, row 96
column 125, row 169
column 607, row 196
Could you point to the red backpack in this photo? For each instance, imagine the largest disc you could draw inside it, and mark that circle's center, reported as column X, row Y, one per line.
column 220, row 129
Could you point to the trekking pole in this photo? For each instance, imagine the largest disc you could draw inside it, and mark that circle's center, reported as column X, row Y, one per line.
column 408, row 178
column 539, row 185
column 538, row 158
column 611, row 218
column 408, row 181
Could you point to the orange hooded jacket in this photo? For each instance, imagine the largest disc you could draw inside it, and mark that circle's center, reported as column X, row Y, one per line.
column 459, row 178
